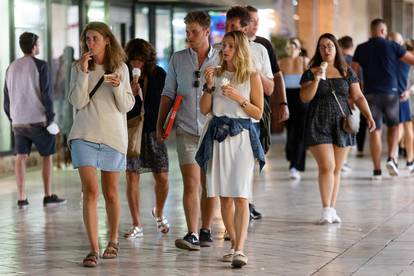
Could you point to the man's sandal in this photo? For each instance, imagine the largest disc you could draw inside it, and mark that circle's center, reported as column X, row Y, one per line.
column 91, row 260
column 111, row 251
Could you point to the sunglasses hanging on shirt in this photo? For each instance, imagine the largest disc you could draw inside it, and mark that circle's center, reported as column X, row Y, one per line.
column 197, row 74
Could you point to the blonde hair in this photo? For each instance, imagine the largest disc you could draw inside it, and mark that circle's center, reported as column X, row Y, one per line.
column 114, row 54
column 242, row 58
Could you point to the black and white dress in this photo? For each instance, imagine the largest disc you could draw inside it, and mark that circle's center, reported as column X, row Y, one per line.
column 324, row 118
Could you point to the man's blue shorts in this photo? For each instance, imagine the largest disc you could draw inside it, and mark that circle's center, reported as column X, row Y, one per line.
column 27, row 134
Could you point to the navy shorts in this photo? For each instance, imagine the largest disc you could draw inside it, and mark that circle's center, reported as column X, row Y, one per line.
column 384, row 107
column 405, row 112
column 27, row 134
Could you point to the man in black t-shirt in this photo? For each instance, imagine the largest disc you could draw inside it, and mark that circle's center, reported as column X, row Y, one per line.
column 279, row 87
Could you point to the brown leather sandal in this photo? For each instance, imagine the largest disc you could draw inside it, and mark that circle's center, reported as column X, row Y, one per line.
column 91, row 259
column 111, row 251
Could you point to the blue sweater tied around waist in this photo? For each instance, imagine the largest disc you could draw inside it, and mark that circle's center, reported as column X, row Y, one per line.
column 221, row 127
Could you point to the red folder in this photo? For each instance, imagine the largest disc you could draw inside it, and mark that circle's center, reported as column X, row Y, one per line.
column 169, row 122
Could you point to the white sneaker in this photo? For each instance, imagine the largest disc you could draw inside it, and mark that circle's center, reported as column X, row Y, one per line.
column 346, row 169
column 410, row 166
column 228, row 256
column 334, row 216
column 392, row 167
column 134, row 232
column 294, row 174
column 326, row 216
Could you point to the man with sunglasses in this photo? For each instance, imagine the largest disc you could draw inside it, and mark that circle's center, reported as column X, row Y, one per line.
column 184, row 77
column 28, row 105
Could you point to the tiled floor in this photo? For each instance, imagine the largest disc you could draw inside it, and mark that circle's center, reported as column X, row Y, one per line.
column 375, row 238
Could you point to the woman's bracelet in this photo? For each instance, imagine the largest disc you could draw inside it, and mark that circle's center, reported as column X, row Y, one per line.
column 244, row 103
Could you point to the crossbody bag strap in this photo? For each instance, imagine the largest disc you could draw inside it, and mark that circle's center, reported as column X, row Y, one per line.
column 336, row 98
column 97, row 85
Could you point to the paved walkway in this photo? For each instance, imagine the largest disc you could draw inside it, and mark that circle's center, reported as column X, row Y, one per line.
column 375, row 238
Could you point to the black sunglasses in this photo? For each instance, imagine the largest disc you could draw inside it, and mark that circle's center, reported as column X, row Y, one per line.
column 197, row 74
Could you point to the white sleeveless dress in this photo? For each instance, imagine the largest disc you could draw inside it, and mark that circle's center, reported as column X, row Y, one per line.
column 230, row 171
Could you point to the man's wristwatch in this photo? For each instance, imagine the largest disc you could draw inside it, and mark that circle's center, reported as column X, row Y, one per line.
column 208, row 90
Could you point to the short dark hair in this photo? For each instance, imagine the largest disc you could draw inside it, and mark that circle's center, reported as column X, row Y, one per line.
column 346, row 42
column 377, row 22
column 251, row 9
column 200, row 17
column 239, row 12
column 27, row 41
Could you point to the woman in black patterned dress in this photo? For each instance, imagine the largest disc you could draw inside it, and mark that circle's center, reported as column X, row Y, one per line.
column 324, row 136
column 153, row 157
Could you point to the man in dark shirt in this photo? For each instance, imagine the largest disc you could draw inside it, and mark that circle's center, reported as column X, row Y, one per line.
column 405, row 112
column 279, row 88
column 347, row 47
column 378, row 58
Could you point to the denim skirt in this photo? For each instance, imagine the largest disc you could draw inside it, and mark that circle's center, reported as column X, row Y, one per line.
column 100, row 156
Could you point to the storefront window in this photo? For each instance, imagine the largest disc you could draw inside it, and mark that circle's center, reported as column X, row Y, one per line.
column 96, row 11
column 163, row 38
column 65, row 48
column 29, row 16
column 5, row 134
column 141, row 22
column 179, row 29
column 120, row 22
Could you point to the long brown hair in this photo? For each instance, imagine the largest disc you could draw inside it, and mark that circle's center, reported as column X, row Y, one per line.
column 140, row 49
column 339, row 62
column 114, row 54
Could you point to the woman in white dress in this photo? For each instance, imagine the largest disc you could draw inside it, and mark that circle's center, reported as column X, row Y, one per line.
column 233, row 94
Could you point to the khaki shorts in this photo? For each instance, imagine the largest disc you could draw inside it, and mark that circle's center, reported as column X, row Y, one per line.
column 187, row 145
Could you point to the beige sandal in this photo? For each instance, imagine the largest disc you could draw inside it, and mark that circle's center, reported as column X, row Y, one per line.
column 111, row 251
column 91, row 260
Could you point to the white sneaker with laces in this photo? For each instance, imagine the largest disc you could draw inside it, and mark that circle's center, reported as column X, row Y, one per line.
column 392, row 167
column 326, row 216
column 134, row 232
column 334, row 216
column 294, row 174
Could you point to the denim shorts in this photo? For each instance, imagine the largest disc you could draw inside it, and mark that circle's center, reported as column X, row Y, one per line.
column 100, row 156
column 28, row 134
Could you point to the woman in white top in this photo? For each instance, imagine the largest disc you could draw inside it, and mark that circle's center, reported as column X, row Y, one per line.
column 98, row 137
column 233, row 94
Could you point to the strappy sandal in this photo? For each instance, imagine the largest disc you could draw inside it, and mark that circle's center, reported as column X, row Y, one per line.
column 111, row 251
column 162, row 223
column 91, row 260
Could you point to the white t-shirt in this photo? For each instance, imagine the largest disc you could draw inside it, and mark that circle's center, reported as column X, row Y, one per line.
column 261, row 60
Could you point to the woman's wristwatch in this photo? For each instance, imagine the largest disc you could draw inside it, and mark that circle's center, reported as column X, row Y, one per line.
column 208, row 90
